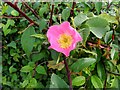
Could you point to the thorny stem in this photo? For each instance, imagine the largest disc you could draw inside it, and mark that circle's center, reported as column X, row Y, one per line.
column 51, row 15
column 22, row 13
column 68, row 74
column 30, row 9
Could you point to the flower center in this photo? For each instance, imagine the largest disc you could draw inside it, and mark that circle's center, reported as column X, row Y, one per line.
column 65, row 41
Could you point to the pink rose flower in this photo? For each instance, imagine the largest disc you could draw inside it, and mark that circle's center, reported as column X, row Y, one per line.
column 63, row 38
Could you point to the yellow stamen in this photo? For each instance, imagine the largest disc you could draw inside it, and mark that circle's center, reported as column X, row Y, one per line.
column 65, row 41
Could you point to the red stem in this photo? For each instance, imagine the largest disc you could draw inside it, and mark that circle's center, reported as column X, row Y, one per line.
column 72, row 10
column 68, row 74
column 51, row 15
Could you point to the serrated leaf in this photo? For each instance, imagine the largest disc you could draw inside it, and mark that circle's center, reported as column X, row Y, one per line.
column 26, row 69
column 27, row 41
column 82, row 63
column 98, row 26
column 79, row 19
column 78, row 81
column 57, row 82
column 40, row 70
column 97, row 83
column 66, row 14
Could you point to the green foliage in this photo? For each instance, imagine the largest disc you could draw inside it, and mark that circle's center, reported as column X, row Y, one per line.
column 82, row 63
column 78, row 81
column 98, row 26
column 27, row 41
column 66, row 14
column 97, row 83
column 57, row 82
column 26, row 61
column 40, row 70
column 79, row 19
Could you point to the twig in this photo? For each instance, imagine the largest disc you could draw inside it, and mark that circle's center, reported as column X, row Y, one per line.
column 26, row 28
column 68, row 74
column 22, row 13
column 95, row 44
column 72, row 10
column 5, row 16
column 34, row 71
column 30, row 9
column 51, row 15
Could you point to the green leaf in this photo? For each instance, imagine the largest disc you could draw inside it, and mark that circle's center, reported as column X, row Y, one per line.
column 6, row 29
column 12, row 44
column 98, row 26
column 108, row 36
column 114, row 52
column 96, row 82
column 12, row 69
column 57, row 82
column 26, row 69
column 42, row 24
column 27, row 41
column 115, row 83
column 78, row 81
column 10, row 22
column 33, row 83
column 98, row 6
column 43, row 10
column 84, row 34
column 54, row 54
column 14, row 13
column 82, row 63
column 101, row 71
column 4, row 8
column 6, row 32
column 79, row 19
column 38, row 56
column 41, row 70
column 109, row 18
column 66, row 14
column 25, row 82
